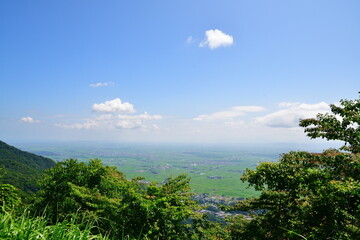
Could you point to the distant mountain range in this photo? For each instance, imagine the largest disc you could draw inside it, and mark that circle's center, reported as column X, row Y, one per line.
column 21, row 169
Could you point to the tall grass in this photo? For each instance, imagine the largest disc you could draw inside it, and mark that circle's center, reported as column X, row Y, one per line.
column 25, row 227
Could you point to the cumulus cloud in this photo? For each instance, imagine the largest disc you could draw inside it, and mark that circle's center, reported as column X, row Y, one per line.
column 118, row 116
column 114, row 106
column 144, row 116
column 101, row 84
column 112, row 122
column 291, row 113
column 232, row 113
column 29, row 120
column 216, row 38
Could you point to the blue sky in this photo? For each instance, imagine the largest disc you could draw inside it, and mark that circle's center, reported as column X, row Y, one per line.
column 174, row 71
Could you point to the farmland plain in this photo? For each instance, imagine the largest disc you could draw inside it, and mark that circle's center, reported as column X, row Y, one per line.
column 215, row 170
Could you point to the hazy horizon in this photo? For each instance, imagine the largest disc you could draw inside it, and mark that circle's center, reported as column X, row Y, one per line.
column 258, row 147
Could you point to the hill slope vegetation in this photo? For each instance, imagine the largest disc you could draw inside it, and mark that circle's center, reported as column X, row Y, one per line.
column 21, row 169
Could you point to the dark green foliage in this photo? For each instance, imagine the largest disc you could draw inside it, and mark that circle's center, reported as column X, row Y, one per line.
column 22, row 169
column 343, row 124
column 120, row 207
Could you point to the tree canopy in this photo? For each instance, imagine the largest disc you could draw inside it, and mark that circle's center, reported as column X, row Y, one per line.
column 316, row 196
column 121, row 207
column 22, row 169
column 343, row 124
column 306, row 195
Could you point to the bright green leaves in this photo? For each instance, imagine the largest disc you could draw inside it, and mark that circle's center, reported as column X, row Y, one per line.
column 314, row 195
column 9, row 197
column 121, row 207
column 343, row 124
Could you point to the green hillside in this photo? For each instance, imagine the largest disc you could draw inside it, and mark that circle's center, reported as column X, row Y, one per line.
column 20, row 168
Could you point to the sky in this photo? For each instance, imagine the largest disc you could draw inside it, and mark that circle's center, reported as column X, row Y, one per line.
column 174, row 71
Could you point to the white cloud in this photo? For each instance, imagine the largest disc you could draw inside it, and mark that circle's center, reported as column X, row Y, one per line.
column 101, row 84
column 293, row 112
column 112, row 122
column 119, row 116
column 29, row 120
column 89, row 124
column 248, row 108
column 216, row 38
column 232, row 113
column 144, row 116
column 114, row 106
column 219, row 115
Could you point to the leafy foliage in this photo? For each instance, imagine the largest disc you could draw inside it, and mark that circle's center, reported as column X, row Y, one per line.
column 22, row 169
column 205, row 229
column 343, row 124
column 119, row 206
column 308, row 196
column 316, row 196
column 9, row 198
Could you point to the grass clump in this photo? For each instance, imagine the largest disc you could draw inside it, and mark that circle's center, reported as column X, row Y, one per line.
column 25, row 227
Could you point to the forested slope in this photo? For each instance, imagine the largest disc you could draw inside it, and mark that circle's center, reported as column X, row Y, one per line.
column 21, row 169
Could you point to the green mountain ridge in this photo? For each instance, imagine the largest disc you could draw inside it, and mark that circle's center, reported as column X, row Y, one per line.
column 22, row 169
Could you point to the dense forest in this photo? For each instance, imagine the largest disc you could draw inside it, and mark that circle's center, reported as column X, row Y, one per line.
column 22, row 169
column 302, row 196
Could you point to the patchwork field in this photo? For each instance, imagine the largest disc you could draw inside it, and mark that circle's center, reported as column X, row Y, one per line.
column 214, row 170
